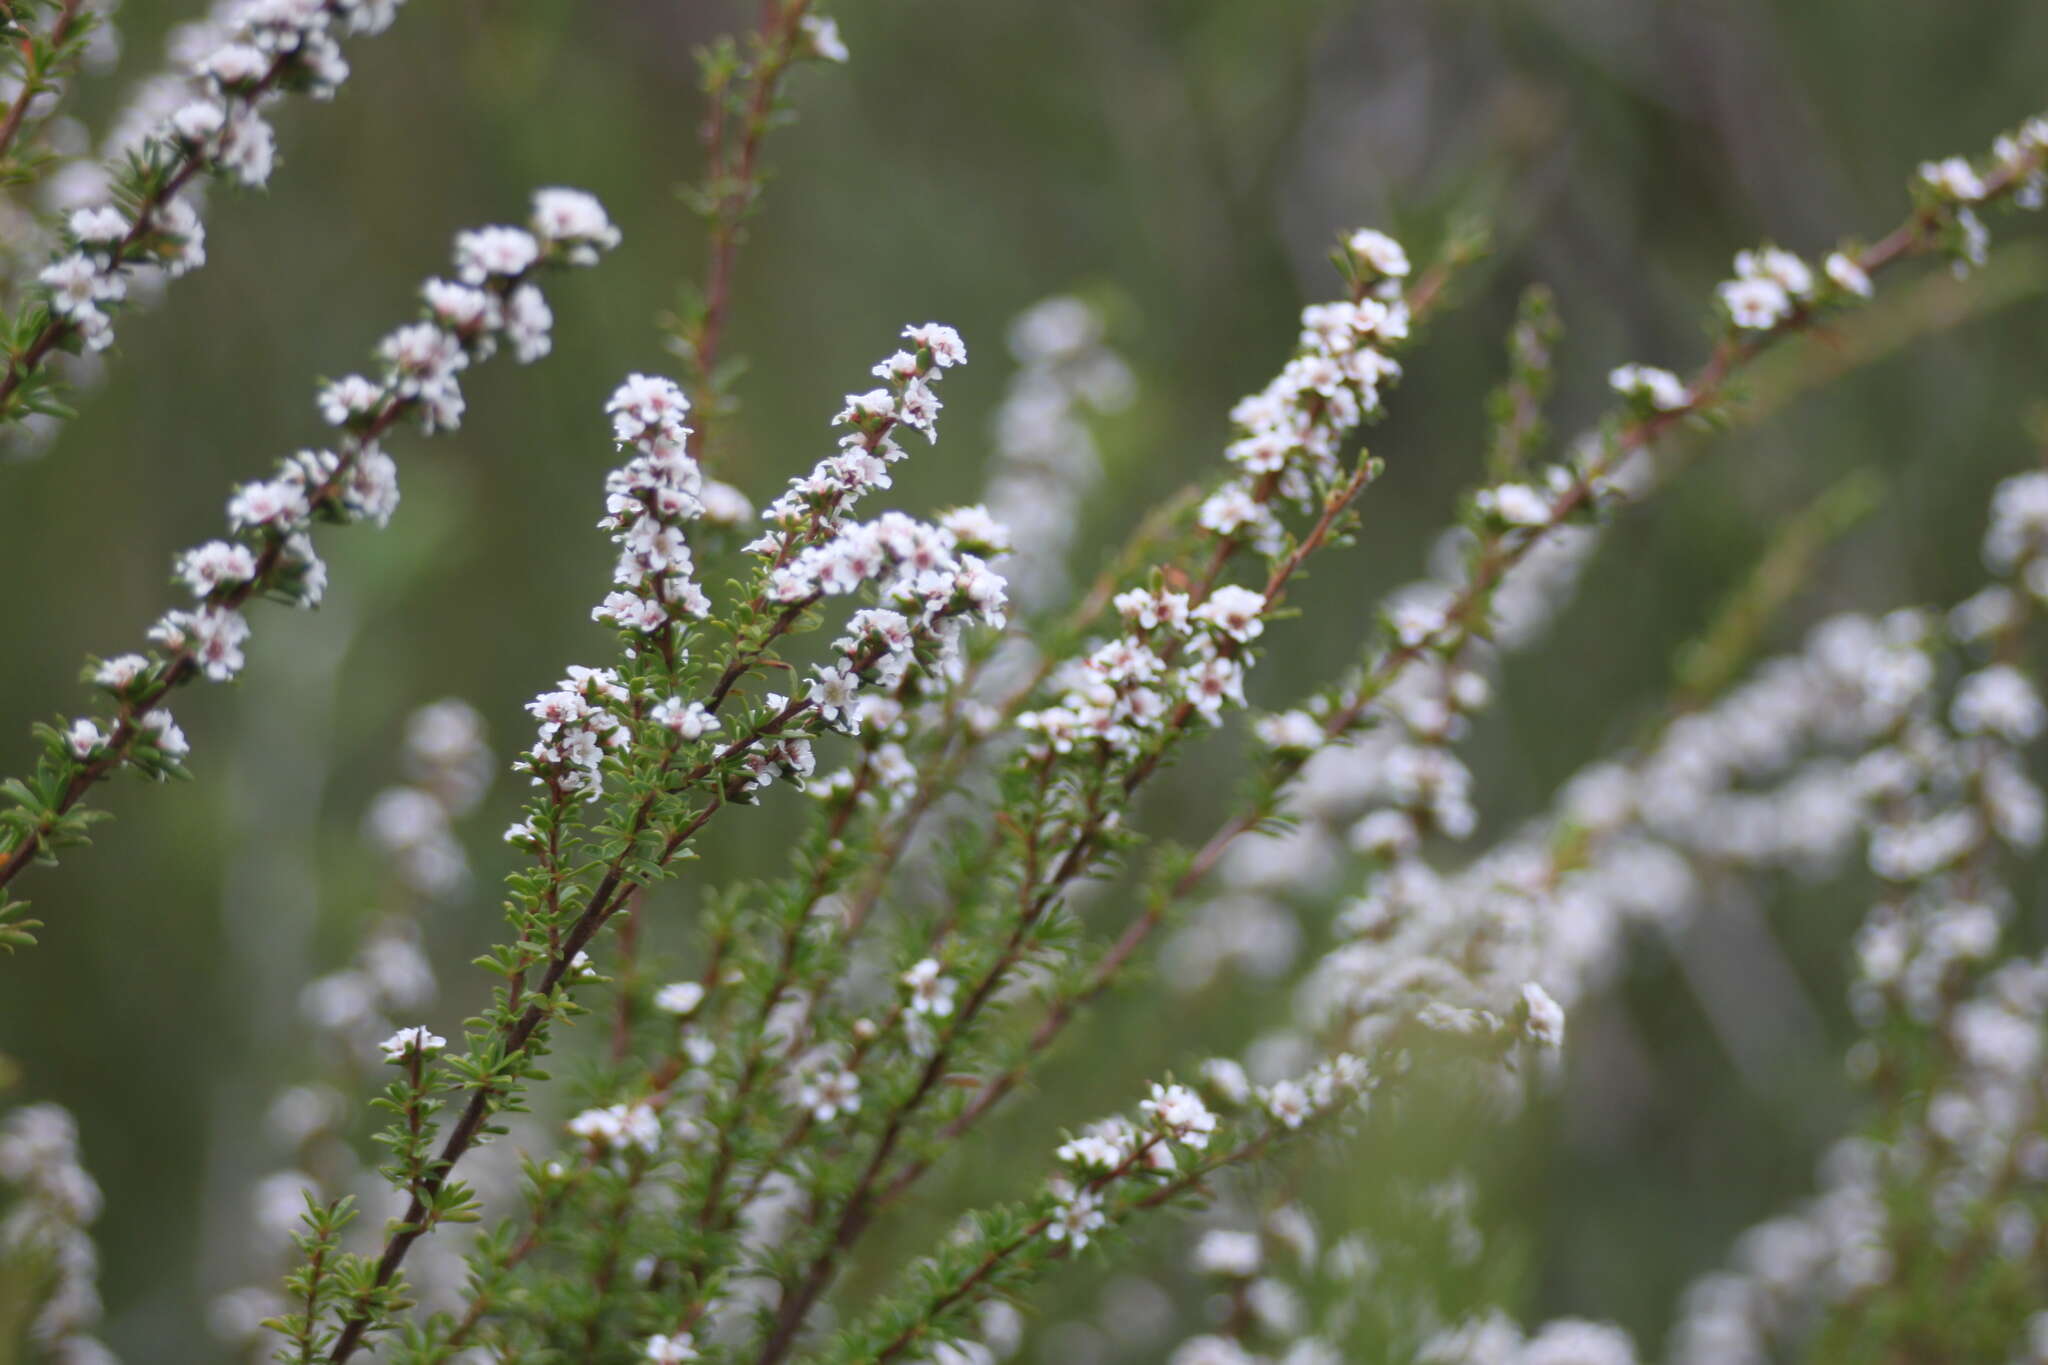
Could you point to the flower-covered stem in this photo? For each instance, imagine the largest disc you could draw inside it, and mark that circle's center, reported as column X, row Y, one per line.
column 273, row 554
column 46, row 58
column 1586, row 490
column 47, row 1252
column 1148, row 1168
column 180, row 667
column 1459, row 619
column 1033, row 1232
column 517, row 1024
column 1057, row 842
column 223, row 132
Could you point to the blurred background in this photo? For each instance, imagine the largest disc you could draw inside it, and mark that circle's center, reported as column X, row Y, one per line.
column 1184, row 165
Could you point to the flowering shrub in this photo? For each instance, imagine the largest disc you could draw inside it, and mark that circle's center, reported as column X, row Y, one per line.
column 744, row 1114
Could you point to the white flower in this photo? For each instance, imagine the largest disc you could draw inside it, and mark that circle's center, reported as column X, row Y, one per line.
column 619, row 1125
column 1781, row 267
column 164, row 731
column 1998, row 700
column 1289, row 731
column 1379, row 252
column 247, row 149
column 942, row 341
column 215, row 565
column 930, row 992
column 84, row 737
column 974, row 528
column 823, row 35
column 346, row 399
column 1665, row 390
column 117, row 673
column 212, row 635
column 527, row 322
column 1076, row 1217
column 1575, row 1341
column 501, row 252
column 1545, row 1021
column 102, row 226
column 1181, row 1113
column 679, row 998
column 724, row 505
column 1517, row 504
column 573, row 217
column 836, row 694
column 1211, row 1350
column 1222, row 1251
column 1226, row 1078
column 1757, row 304
column 77, row 285
column 198, row 121
column 236, row 64
column 1416, row 622
column 830, row 1093
column 1092, row 1151
column 275, row 502
column 647, row 403
column 1235, row 611
column 1953, row 177
column 690, row 720
column 1288, row 1103
column 1847, row 274
column 408, row 1042
column 662, row 1349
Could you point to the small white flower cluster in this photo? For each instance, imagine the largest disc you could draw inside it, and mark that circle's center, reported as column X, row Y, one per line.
column 1971, row 1158
column 648, row 500
column 1942, row 800
column 273, row 518
column 807, row 519
column 821, row 36
column 413, row 823
column 1290, row 434
column 1864, row 689
column 620, row 1128
column 55, row 1201
column 933, row 586
column 1228, row 1253
column 1045, row 458
column 579, row 725
column 1494, row 1340
column 1334, row 1083
column 1518, row 915
column 1769, row 284
column 1116, row 1148
column 2023, row 154
column 253, row 52
column 1662, row 390
column 2016, row 543
column 1174, row 661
